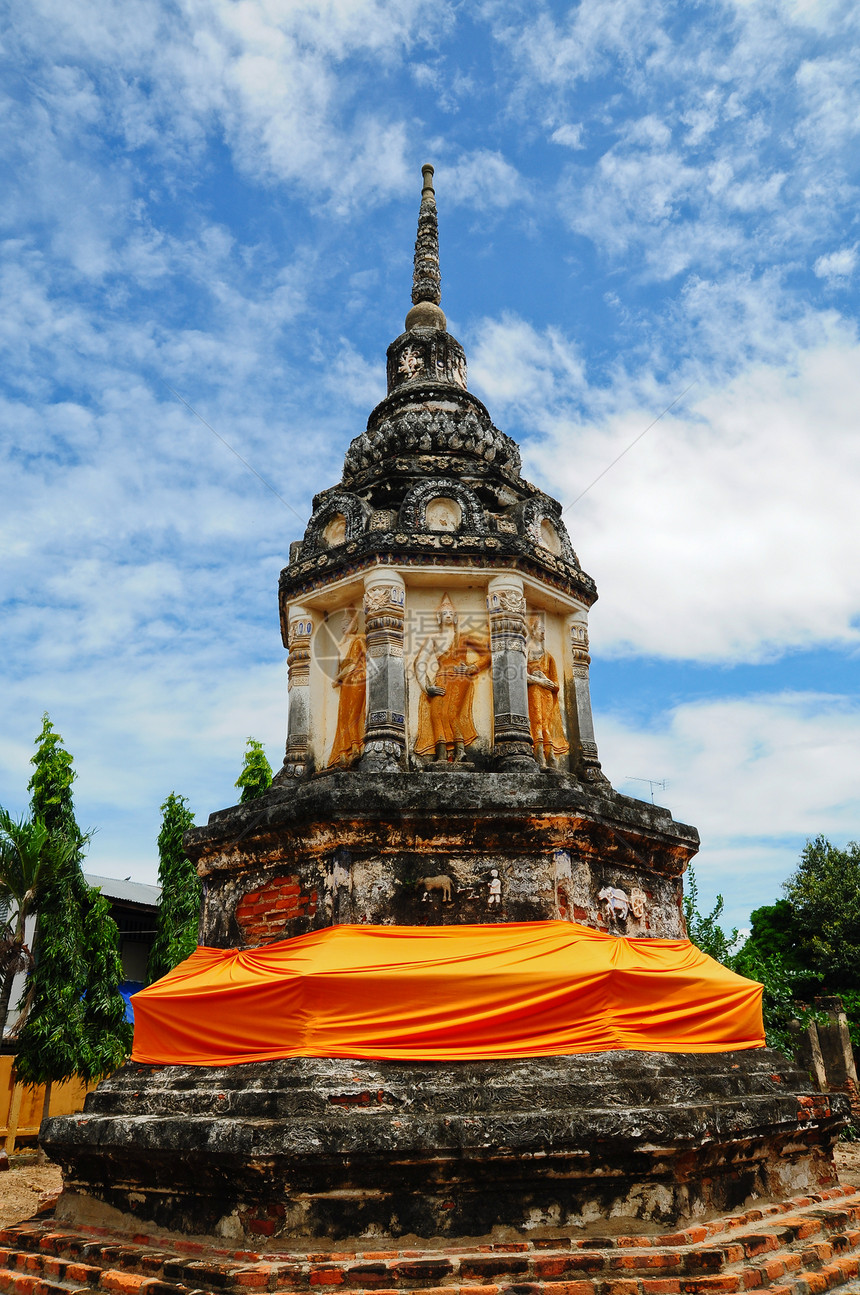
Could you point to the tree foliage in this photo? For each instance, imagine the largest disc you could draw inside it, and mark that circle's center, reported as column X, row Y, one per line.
column 50, row 786
column 256, row 776
column 763, row 962
column 31, row 858
column 73, row 1016
column 179, row 910
column 824, row 897
column 705, row 931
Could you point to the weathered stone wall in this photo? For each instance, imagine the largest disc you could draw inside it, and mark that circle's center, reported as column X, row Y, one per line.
column 435, row 849
column 337, row 1148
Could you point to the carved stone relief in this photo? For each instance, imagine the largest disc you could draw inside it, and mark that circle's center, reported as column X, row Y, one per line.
column 545, row 719
column 617, row 902
column 334, row 532
column 351, row 680
column 443, row 514
column 445, row 667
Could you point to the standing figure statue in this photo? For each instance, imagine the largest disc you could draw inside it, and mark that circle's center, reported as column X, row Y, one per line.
column 544, row 709
column 351, row 679
column 445, row 666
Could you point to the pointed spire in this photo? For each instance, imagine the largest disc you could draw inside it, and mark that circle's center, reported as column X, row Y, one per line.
column 426, row 283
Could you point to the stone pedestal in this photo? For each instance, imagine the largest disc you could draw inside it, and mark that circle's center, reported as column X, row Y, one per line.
column 337, row 1149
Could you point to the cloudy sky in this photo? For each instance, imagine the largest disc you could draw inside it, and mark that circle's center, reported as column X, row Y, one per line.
column 641, row 202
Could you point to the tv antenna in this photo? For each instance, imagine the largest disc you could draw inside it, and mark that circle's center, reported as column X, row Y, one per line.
column 662, row 783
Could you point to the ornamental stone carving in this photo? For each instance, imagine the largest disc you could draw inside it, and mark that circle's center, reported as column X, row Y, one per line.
column 541, row 524
column 340, row 517
column 445, row 668
column 418, row 501
column 421, row 431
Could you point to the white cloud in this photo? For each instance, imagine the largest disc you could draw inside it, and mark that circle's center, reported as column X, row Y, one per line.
column 568, row 136
column 729, row 532
column 482, row 179
column 757, row 775
column 837, row 266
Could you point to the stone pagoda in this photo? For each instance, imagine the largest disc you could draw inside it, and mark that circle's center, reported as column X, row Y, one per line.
column 441, row 767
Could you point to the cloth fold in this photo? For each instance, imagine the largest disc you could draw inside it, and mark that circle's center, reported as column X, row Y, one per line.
column 444, row 993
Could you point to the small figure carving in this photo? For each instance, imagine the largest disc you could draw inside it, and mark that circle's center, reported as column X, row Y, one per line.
column 544, row 710
column 335, row 532
column 441, row 883
column 445, row 666
column 495, row 895
column 351, row 679
column 616, row 901
column 507, row 600
column 410, row 362
column 442, row 514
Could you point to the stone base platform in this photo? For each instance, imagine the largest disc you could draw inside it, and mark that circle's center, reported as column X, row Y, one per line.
column 315, row 1148
column 801, row 1246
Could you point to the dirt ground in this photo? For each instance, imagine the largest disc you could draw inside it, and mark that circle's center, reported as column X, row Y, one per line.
column 24, row 1186
column 27, row 1184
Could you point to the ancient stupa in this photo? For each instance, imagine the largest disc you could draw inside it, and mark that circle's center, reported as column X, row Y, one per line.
column 441, row 770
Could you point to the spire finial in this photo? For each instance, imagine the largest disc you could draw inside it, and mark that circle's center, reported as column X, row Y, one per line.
column 426, row 293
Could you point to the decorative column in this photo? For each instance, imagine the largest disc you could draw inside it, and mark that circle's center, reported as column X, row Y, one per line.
column 512, row 743
column 300, row 627
column 587, row 765
column 385, row 727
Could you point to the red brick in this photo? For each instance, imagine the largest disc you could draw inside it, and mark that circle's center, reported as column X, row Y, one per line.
column 816, row 1283
column 251, row 1278
column 660, row 1285
column 751, row 1278
column 725, row 1282
column 368, row 1276
column 326, row 1276
column 423, row 1269
column 566, row 1288
column 112, row 1279
column 619, row 1286
column 82, row 1273
column 503, row 1266
column 550, row 1267
column 479, row 1290
column 774, row 1268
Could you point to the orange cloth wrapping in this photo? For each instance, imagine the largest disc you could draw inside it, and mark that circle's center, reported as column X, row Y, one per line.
column 444, row 993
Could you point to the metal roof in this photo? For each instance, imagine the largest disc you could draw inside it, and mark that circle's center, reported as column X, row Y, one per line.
column 133, row 892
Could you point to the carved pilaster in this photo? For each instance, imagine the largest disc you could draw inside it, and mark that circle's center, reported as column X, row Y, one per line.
column 583, row 746
column 385, row 728
column 512, row 745
column 299, row 631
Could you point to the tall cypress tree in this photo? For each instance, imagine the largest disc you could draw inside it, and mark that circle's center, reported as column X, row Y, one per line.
column 179, row 910
column 256, row 776
column 74, row 1014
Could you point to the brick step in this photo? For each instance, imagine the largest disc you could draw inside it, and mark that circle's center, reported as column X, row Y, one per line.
column 799, row 1247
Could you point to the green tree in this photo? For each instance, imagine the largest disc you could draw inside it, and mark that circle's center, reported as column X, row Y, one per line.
column 50, row 786
column 256, row 776
column 705, row 931
column 773, row 930
column 30, row 858
column 73, row 1016
column 824, row 895
column 764, row 962
column 179, row 910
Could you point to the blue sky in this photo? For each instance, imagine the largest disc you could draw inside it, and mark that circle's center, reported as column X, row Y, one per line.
column 635, row 198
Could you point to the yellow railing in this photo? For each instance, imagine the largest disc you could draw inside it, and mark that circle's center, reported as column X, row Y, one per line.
column 21, row 1108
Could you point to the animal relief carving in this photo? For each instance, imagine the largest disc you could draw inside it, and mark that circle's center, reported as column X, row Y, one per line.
column 442, row 884
column 617, row 901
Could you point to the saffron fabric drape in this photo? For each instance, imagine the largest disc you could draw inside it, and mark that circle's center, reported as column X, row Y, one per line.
column 444, row 993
